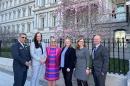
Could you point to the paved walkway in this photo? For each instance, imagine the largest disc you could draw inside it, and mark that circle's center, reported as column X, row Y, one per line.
column 6, row 74
column 7, row 79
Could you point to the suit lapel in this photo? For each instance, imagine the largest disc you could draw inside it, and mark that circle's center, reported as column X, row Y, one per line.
column 97, row 50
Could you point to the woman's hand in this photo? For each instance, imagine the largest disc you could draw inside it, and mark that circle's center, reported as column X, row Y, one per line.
column 87, row 71
column 42, row 60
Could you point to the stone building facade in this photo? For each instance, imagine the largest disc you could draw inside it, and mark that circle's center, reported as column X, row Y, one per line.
column 64, row 17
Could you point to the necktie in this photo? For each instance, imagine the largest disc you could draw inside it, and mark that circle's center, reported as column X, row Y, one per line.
column 94, row 52
column 24, row 45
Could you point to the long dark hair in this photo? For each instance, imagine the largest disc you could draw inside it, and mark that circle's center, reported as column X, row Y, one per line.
column 35, row 40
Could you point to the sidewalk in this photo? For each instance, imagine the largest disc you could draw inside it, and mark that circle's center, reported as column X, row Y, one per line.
column 6, row 66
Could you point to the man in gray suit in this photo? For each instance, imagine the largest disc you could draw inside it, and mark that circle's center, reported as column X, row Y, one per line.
column 100, row 61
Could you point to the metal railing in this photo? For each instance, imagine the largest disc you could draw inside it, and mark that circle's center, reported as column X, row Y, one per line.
column 119, row 52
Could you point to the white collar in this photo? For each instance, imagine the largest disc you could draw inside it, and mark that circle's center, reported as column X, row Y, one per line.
column 21, row 43
column 97, row 45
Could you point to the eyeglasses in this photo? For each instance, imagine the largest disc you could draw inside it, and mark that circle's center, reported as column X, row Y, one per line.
column 81, row 41
column 53, row 41
column 24, row 37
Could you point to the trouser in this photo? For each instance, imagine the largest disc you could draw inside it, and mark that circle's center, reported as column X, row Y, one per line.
column 99, row 79
column 20, row 77
column 67, row 76
column 36, row 72
column 82, row 83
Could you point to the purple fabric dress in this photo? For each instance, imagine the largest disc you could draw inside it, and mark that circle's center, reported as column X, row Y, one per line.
column 52, row 63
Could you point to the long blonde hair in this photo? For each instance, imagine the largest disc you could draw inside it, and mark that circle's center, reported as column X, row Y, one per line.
column 68, row 39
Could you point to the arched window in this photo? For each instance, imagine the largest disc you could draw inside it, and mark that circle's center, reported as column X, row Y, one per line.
column 5, row 29
column 9, row 15
column 29, row 11
column 19, row 12
column 0, row 30
column 14, row 14
column 2, row 17
column 3, row 5
column 6, row 16
column 28, row 27
column 13, row 28
column 11, row 3
column 18, row 28
column 15, row 2
column 0, row 6
column 23, row 27
column 53, row 21
column 24, row 12
column 6, row 4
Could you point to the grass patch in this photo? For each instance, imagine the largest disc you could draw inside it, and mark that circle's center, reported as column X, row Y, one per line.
column 6, row 54
column 5, row 49
column 118, row 66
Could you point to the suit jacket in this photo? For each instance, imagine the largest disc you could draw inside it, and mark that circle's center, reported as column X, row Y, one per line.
column 20, row 55
column 70, row 58
column 101, row 60
column 36, row 53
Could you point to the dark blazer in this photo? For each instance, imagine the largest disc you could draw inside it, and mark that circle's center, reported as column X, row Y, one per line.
column 20, row 55
column 70, row 58
column 101, row 60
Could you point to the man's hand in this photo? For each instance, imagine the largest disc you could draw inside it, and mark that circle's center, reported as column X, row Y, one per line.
column 27, row 63
column 102, row 73
column 68, row 70
column 30, row 63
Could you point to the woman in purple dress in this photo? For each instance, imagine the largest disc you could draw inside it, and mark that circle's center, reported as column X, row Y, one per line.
column 52, row 63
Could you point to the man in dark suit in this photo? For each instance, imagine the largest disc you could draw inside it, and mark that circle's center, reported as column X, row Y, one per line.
column 100, row 61
column 21, row 60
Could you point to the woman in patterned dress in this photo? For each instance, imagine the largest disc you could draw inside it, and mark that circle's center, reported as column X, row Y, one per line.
column 52, row 63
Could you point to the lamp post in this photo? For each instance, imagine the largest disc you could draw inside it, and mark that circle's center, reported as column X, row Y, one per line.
column 128, row 74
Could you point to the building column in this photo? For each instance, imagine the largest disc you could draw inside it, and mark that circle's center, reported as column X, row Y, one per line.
column 47, row 2
column 26, row 27
column 31, row 26
column 0, row 18
column 15, row 28
column 20, row 28
column 59, row 18
column 38, row 21
column 47, row 19
column 17, row 14
column 36, row 3
column 11, row 16
column 35, row 23
column 21, row 12
column 26, row 11
column 13, row 2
